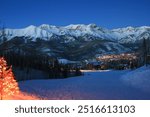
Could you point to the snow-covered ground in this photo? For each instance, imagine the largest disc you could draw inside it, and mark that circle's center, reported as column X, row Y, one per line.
column 22, row 96
column 139, row 78
column 92, row 85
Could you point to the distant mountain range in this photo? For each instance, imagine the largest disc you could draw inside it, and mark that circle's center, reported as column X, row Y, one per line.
column 75, row 42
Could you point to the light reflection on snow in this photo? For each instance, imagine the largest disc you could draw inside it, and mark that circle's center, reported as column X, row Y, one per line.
column 22, row 96
column 95, row 70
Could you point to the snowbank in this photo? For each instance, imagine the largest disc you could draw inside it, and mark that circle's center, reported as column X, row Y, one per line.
column 139, row 78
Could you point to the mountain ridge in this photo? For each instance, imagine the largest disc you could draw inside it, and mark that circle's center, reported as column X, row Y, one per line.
column 75, row 42
column 45, row 31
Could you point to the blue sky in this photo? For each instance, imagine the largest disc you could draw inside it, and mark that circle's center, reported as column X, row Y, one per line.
column 106, row 13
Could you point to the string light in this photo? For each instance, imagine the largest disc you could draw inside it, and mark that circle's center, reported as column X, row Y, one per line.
column 8, row 85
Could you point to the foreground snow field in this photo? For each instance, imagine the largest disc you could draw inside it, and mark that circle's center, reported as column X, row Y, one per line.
column 92, row 85
column 139, row 78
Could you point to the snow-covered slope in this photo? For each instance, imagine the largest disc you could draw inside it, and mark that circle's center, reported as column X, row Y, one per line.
column 103, row 84
column 30, row 31
column 139, row 78
column 130, row 34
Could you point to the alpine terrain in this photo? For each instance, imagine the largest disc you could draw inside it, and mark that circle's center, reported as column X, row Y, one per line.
column 73, row 42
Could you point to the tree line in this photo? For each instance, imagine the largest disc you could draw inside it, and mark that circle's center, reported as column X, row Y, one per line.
column 27, row 63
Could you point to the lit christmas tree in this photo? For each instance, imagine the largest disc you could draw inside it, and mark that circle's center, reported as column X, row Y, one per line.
column 8, row 85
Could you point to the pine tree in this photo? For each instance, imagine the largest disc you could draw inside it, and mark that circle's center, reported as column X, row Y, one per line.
column 8, row 85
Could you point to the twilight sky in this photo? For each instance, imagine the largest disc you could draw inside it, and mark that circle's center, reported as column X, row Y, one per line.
column 105, row 13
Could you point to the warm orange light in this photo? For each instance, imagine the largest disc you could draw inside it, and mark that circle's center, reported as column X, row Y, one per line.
column 9, row 89
column 8, row 85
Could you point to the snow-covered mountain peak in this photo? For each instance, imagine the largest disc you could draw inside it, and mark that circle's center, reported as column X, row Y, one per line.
column 31, row 26
column 47, row 26
column 145, row 27
column 77, row 41
column 30, row 29
column 90, row 29
column 126, row 29
column 92, row 25
column 131, row 29
column 87, row 32
column 75, row 26
column 95, row 27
